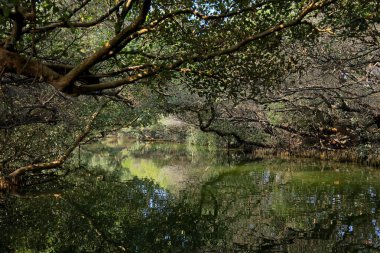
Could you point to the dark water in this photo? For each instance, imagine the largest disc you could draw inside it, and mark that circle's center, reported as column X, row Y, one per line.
column 172, row 198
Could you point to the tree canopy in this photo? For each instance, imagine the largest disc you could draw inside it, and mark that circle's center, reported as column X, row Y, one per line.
column 87, row 46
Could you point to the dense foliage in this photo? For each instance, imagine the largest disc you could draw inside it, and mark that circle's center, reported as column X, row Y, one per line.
column 268, row 73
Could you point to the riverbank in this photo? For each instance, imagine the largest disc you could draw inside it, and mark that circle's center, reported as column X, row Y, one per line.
column 170, row 130
column 370, row 157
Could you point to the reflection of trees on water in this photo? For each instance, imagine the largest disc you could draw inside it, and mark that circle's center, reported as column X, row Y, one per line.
column 262, row 215
column 170, row 165
column 162, row 154
column 102, row 216
column 260, row 207
column 275, row 210
column 234, row 212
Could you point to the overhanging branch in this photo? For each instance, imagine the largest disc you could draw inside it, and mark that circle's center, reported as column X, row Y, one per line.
column 59, row 161
column 314, row 5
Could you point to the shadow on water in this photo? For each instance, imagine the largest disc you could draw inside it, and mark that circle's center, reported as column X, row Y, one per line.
column 172, row 198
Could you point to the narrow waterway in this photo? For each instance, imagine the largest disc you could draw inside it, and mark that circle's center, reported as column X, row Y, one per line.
column 139, row 197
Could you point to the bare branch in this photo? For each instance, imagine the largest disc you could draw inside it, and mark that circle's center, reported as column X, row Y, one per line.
column 58, row 162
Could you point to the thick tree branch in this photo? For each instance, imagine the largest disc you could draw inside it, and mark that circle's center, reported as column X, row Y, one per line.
column 13, row 14
column 69, row 78
column 15, row 63
column 18, row 24
column 119, row 82
column 121, row 16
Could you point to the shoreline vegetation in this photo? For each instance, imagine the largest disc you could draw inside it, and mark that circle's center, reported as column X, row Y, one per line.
column 364, row 155
column 338, row 155
column 367, row 155
column 350, row 155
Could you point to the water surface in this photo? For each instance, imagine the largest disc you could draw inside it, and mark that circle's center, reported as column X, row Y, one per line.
column 140, row 197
